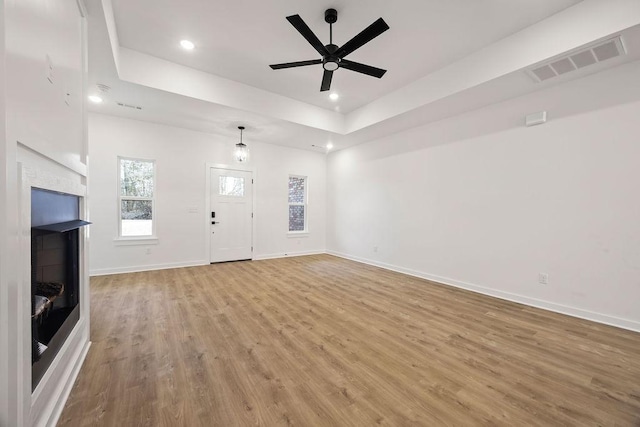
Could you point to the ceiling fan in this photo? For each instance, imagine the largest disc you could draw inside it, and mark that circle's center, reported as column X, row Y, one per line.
column 332, row 55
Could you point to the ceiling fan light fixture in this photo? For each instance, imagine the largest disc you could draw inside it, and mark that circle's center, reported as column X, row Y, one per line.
column 331, row 64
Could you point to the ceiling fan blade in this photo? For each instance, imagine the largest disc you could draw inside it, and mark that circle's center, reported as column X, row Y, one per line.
column 295, row 64
column 362, row 68
column 326, row 80
column 365, row 36
column 306, row 32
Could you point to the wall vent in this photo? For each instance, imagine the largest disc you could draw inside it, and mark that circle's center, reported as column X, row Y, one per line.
column 579, row 59
column 135, row 107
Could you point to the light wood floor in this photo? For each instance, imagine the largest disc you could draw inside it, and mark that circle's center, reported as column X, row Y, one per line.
column 319, row 340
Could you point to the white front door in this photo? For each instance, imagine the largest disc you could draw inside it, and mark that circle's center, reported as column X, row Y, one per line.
column 231, row 215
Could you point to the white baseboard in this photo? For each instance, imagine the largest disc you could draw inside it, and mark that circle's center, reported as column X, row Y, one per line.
column 151, row 267
column 287, row 255
column 138, row 268
column 533, row 302
column 68, row 386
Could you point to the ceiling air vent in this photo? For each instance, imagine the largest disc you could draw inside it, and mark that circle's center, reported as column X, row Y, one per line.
column 103, row 88
column 576, row 60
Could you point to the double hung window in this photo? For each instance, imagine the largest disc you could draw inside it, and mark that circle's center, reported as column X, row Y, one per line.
column 297, row 204
column 136, row 201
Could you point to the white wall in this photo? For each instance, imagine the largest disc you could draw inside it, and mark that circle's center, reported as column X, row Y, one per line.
column 42, row 116
column 482, row 202
column 43, row 128
column 4, row 235
column 181, row 156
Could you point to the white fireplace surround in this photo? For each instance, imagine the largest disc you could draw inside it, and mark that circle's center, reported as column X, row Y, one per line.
column 44, row 406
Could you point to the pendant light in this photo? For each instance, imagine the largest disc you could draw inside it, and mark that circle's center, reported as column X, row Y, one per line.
column 241, row 153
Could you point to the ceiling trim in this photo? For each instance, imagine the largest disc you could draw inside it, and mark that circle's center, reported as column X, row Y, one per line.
column 147, row 70
column 567, row 30
column 82, row 8
column 574, row 27
column 107, row 8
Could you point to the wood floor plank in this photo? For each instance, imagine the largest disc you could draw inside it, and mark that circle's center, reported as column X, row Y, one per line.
column 319, row 340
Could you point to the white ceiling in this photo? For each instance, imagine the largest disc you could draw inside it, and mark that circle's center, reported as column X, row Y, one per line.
column 443, row 57
column 239, row 39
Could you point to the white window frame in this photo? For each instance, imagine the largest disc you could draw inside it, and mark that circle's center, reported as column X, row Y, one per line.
column 305, row 204
column 141, row 239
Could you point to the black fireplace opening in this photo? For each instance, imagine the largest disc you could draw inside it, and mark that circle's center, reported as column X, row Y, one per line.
column 55, row 275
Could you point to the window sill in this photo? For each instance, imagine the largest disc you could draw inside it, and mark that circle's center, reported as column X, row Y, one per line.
column 295, row 234
column 134, row 241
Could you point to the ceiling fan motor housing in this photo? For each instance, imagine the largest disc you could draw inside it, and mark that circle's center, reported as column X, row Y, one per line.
column 331, row 62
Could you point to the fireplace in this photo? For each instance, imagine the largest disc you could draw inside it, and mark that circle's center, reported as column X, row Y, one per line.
column 55, row 275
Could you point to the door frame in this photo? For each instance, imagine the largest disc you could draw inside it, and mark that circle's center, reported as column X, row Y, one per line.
column 207, row 216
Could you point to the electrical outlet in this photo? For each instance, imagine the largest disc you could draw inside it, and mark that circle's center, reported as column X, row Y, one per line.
column 543, row 278
column 375, row 249
column 148, row 251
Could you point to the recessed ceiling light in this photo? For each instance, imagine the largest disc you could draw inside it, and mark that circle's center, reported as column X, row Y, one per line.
column 187, row 44
column 329, row 146
column 334, row 96
column 95, row 99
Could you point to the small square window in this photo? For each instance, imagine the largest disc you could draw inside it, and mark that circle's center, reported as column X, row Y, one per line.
column 231, row 186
